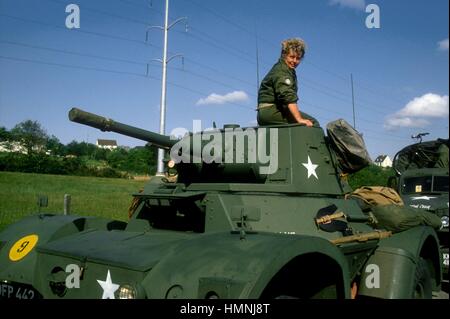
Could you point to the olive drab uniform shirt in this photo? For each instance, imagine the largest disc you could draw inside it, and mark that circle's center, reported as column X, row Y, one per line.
column 279, row 86
column 277, row 90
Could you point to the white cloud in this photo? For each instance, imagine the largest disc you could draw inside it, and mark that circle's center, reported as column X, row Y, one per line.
column 354, row 4
column 233, row 97
column 412, row 115
column 428, row 105
column 397, row 122
column 443, row 45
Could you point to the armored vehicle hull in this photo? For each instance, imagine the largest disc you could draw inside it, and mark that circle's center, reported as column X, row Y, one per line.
column 239, row 229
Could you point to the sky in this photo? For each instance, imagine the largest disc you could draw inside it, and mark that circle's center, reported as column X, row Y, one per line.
column 219, row 50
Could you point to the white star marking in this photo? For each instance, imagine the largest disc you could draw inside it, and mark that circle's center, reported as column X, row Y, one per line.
column 108, row 287
column 422, row 197
column 311, row 168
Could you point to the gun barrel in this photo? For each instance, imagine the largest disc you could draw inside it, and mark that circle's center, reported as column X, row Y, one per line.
column 106, row 124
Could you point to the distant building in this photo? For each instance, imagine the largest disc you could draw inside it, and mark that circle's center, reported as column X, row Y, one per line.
column 383, row 161
column 14, row 147
column 108, row 144
column 17, row 147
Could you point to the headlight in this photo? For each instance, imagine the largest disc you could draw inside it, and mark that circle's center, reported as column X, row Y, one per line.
column 171, row 164
column 444, row 221
column 127, row 292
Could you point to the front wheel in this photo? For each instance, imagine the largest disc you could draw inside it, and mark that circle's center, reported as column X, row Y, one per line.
column 422, row 281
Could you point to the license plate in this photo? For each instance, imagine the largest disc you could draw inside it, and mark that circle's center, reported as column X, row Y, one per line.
column 16, row 291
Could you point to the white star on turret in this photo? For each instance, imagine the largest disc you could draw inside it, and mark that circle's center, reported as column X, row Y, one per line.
column 109, row 288
column 311, row 168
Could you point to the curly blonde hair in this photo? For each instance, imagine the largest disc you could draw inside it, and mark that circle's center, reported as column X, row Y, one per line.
column 295, row 45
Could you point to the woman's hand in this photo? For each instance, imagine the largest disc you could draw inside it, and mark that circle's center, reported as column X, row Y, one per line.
column 306, row 122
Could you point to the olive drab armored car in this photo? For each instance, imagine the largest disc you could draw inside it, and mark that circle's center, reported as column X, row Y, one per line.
column 256, row 212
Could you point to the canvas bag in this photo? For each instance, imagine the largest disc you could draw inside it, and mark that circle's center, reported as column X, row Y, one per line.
column 377, row 195
column 389, row 212
column 399, row 218
column 348, row 146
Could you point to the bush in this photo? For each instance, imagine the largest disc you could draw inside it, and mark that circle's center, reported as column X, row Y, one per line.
column 370, row 176
column 35, row 163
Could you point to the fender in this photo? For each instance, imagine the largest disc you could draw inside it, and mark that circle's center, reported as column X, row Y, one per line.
column 399, row 255
column 42, row 228
column 246, row 266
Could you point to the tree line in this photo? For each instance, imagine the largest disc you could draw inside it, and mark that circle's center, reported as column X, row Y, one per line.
column 46, row 154
column 28, row 148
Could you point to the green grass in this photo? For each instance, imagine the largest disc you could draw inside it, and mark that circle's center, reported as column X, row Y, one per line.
column 93, row 196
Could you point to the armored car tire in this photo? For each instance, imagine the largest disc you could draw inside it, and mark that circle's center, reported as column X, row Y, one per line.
column 422, row 281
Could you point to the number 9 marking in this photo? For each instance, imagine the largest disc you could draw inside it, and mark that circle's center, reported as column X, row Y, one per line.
column 22, row 247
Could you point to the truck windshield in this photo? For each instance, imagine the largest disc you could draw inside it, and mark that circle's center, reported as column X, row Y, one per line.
column 424, row 184
column 440, row 184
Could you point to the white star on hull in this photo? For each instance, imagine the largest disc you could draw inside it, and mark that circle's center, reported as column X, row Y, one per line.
column 109, row 288
column 311, row 168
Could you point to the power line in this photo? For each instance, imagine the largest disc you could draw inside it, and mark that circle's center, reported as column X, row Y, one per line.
column 141, row 64
column 101, row 35
column 105, row 13
column 303, row 102
column 202, row 33
column 229, row 48
column 75, row 30
column 136, row 63
column 209, row 42
column 203, row 94
column 209, row 79
column 72, row 53
column 220, row 47
column 221, row 17
column 338, row 76
column 200, row 93
column 134, row 4
column 70, row 66
column 217, row 71
column 111, row 59
column 375, row 110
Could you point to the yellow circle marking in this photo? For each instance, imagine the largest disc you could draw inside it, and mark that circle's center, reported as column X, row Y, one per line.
column 22, row 247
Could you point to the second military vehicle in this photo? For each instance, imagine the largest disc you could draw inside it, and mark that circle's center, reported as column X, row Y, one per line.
column 258, row 212
column 422, row 182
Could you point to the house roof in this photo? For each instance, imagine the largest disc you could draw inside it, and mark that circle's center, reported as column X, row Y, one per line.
column 380, row 158
column 107, row 142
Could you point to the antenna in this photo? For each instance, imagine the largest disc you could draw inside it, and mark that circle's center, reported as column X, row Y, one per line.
column 353, row 102
column 419, row 136
column 257, row 63
column 164, row 61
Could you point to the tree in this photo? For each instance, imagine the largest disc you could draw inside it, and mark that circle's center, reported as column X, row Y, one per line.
column 139, row 160
column 372, row 175
column 55, row 146
column 31, row 135
column 80, row 148
column 118, row 158
column 5, row 135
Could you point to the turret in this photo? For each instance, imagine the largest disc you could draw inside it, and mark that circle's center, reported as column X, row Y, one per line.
column 290, row 159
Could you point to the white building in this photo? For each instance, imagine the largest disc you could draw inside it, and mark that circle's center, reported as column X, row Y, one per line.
column 17, row 147
column 383, row 161
column 13, row 147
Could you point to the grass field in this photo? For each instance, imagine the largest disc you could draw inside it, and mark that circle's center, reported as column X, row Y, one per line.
column 106, row 197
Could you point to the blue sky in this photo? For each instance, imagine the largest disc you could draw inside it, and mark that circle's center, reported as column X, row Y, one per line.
column 400, row 70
